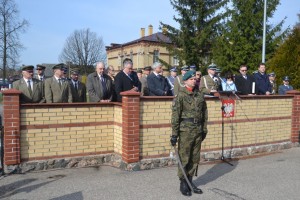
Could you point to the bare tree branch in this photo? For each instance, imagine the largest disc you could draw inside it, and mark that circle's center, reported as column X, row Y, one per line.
column 83, row 48
column 10, row 28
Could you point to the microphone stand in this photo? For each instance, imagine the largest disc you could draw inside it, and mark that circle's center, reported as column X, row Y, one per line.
column 222, row 152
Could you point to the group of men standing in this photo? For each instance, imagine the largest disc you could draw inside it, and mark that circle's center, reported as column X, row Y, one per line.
column 55, row 89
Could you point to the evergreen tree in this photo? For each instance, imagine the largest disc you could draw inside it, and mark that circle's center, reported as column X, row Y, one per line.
column 241, row 36
column 286, row 61
column 198, row 21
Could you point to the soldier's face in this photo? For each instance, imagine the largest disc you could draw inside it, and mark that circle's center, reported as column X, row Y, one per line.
column 74, row 77
column 27, row 74
column 58, row 73
column 212, row 72
column 173, row 74
column 40, row 71
column 191, row 82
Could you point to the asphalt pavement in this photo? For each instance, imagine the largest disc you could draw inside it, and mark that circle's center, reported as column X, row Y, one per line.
column 271, row 177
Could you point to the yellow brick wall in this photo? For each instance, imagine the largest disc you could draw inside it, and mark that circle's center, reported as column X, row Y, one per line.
column 40, row 116
column 154, row 141
column 247, row 127
column 66, row 141
column 155, row 112
column 118, row 130
column 70, row 140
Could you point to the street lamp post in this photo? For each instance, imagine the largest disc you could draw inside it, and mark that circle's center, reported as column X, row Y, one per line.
column 264, row 33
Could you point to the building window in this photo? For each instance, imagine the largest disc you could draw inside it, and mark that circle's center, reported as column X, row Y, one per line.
column 175, row 61
column 155, row 56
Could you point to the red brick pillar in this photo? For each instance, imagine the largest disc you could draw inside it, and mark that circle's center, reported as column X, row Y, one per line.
column 130, row 126
column 295, row 115
column 11, row 123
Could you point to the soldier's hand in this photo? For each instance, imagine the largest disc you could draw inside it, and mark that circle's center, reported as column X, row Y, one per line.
column 173, row 140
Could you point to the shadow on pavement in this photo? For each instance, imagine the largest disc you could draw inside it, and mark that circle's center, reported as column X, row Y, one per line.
column 17, row 187
column 215, row 172
column 72, row 196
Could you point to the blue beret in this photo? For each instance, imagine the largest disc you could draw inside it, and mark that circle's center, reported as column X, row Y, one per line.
column 286, row 78
column 173, row 69
column 192, row 67
column 188, row 75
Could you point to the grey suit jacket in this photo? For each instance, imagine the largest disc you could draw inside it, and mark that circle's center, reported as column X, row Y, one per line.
column 37, row 91
column 95, row 90
column 145, row 89
column 56, row 94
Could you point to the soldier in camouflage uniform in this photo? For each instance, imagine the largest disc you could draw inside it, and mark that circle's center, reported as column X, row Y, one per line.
column 189, row 124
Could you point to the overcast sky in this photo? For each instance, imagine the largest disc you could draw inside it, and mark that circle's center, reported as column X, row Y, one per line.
column 117, row 21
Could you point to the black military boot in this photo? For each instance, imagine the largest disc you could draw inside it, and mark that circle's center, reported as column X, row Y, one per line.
column 196, row 190
column 184, row 188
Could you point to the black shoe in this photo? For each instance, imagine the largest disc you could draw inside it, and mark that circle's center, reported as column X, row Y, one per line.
column 196, row 190
column 184, row 188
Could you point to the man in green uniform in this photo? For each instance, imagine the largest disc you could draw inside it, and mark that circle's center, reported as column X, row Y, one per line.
column 31, row 88
column 189, row 124
column 178, row 83
column 210, row 83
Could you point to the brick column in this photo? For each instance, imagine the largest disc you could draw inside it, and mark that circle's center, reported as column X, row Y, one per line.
column 11, row 123
column 295, row 115
column 130, row 126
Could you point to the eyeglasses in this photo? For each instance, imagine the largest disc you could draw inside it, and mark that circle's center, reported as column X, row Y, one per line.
column 198, row 74
column 244, row 70
column 39, row 69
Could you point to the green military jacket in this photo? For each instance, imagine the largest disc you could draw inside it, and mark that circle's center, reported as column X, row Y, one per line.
column 189, row 105
column 207, row 84
column 37, row 95
column 178, row 84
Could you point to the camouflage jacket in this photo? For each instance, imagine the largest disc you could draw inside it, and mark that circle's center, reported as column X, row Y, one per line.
column 189, row 105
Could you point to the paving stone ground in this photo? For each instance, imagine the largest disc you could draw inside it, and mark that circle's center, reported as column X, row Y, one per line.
column 271, row 177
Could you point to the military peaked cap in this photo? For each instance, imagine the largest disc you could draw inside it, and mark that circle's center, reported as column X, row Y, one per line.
column 188, row 75
column 27, row 67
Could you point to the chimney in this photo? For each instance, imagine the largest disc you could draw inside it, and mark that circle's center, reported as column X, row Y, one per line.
column 150, row 29
column 142, row 32
column 164, row 30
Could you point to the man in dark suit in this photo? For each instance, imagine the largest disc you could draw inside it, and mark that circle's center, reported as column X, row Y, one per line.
column 31, row 88
column 78, row 88
column 262, row 83
column 57, row 89
column 99, row 85
column 126, row 80
column 244, row 82
column 157, row 84
column 40, row 73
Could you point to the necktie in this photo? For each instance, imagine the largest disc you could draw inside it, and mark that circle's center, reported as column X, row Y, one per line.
column 29, row 87
column 59, row 82
column 41, row 78
column 103, row 87
column 76, row 86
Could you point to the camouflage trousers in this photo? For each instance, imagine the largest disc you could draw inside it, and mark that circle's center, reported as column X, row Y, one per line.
column 189, row 146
